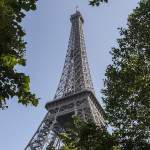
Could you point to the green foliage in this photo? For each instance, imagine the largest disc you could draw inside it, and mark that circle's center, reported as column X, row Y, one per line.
column 12, row 50
column 127, row 83
column 97, row 2
column 87, row 136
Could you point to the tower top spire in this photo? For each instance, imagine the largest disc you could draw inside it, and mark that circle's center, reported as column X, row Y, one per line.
column 77, row 8
column 77, row 15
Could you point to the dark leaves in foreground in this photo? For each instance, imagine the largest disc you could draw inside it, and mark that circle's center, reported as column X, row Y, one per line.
column 12, row 51
column 86, row 135
column 97, row 2
column 127, row 83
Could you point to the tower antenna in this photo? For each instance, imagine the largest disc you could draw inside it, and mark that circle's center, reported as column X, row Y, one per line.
column 77, row 8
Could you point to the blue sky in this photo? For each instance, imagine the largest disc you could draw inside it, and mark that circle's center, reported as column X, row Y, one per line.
column 48, row 30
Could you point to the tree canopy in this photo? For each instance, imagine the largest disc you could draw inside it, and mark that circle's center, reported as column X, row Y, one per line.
column 83, row 135
column 127, row 83
column 97, row 2
column 12, row 49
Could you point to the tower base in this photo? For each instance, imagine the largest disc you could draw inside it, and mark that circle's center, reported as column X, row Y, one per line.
column 83, row 104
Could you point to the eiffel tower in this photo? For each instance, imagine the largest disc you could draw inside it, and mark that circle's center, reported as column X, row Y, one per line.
column 75, row 94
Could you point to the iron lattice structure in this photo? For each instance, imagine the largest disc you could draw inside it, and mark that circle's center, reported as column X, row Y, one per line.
column 74, row 96
column 76, row 74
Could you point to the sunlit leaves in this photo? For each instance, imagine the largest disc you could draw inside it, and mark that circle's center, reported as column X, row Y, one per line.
column 87, row 135
column 97, row 2
column 127, row 83
column 12, row 50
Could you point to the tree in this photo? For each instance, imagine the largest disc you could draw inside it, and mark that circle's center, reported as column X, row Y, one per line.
column 127, row 83
column 83, row 135
column 97, row 2
column 12, row 49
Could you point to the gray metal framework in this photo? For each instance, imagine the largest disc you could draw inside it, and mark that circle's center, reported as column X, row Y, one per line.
column 74, row 96
column 76, row 74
